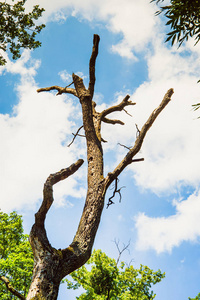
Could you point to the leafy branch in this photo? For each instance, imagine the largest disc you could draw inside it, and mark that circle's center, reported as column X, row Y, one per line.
column 18, row 29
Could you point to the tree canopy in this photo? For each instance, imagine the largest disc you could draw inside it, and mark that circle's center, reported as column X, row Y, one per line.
column 18, row 29
column 16, row 258
column 183, row 18
column 196, row 298
column 104, row 280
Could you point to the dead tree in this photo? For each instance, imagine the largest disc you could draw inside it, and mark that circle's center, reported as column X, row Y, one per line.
column 51, row 265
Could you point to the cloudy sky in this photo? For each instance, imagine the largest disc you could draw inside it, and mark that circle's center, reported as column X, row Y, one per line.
column 160, row 207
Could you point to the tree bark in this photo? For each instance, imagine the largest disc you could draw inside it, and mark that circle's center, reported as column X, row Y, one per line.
column 52, row 265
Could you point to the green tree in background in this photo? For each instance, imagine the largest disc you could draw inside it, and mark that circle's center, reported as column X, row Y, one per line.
column 16, row 258
column 183, row 18
column 104, row 280
column 184, row 21
column 196, row 298
column 18, row 29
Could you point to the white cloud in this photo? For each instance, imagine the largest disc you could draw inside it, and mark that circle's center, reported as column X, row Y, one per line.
column 124, row 50
column 171, row 148
column 33, row 141
column 164, row 233
column 65, row 76
column 131, row 18
column 24, row 66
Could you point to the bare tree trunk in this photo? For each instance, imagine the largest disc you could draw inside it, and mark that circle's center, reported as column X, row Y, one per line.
column 51, row 265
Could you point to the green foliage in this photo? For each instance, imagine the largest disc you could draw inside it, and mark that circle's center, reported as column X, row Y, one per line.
column 183, row 18
column 196, row 298
column 105, row 280
column 16, row 257
column 17, row 28
column 196, row 106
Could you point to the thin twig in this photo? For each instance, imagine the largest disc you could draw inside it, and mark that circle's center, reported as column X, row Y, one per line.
column 138, row 131
column 116, row 190
column 75, row 135
column 130, row 262
column 129, row 148
column 137, row 159
column 69, row 85
column 124, row 146
column 127, row 112
column 121, row 251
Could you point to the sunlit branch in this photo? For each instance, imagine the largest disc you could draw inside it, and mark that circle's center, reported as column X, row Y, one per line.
column 119, row 107
column 60, row 90
column 112, row 121
column 93, row 57
column 128, row 159
column 48, row 190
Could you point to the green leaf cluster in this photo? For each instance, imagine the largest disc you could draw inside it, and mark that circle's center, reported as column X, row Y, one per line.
column 16, row 257
column 17, row 28
column 196, row 298
column 103, row 280
column 183, row 18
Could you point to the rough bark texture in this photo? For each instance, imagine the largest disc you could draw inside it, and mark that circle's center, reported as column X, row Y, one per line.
column 51, row 265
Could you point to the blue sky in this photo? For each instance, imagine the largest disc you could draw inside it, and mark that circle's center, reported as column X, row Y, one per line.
column 160, row 207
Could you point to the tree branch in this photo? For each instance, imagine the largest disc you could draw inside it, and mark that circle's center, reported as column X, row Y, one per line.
column 112, row 121
column 93, row 57
column 11, row 288
column 48, row 190
column 60, row 90
column 116, row 190
column 119, row 107
column 75, row 135
column 121, row 251
column 38, row 237
column 128, row 159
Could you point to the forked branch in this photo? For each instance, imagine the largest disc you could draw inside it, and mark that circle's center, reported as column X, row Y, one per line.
column 119, row 107
column 121, row 251
column 116, row 190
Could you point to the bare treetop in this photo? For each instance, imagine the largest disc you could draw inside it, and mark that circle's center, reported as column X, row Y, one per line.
column 51, row 265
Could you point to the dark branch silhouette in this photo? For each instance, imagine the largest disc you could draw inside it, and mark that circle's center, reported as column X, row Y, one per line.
column 116, row 190
column 75, row 135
